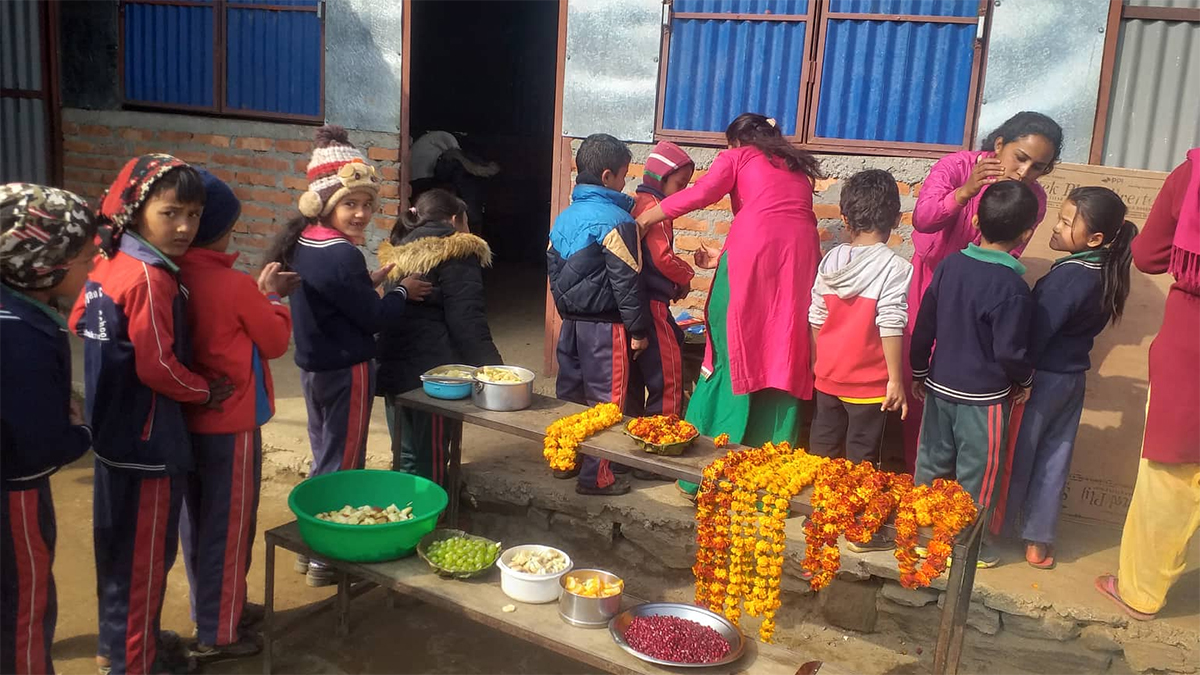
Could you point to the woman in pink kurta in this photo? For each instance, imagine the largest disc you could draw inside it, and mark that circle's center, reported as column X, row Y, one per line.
column 757, row 366
column 1024, row 148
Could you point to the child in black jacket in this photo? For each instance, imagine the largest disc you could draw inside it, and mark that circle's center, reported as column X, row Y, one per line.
column 978, row 310
column 432, row 240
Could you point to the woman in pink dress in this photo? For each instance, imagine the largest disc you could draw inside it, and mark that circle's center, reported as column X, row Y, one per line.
column 756, row 366
column 1024, row 149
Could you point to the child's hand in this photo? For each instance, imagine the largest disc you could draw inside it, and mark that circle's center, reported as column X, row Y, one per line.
column 987, row 171
column 418, row 288
column 273, row 279
column 1021, row 395
column 894, row 399
column 918, row 390
column 378, row 276
column 707, row 257
column 638, row 346
column 218, row 390
column 75, row 413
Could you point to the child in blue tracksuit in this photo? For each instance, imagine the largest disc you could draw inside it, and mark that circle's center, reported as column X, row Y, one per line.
column 978, row 310
column 594, row 264
column 336, row 311
column 1076, row 299
column 46, row 249
column 136, row 354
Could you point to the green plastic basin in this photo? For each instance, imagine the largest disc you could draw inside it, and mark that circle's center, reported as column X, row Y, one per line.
column 366, row 543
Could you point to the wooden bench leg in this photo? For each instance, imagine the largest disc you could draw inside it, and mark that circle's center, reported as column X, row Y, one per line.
column 269, row 610
column 454, row 473
column 343, row 604
column 948, row 651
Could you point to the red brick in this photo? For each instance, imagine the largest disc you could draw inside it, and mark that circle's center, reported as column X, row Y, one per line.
column 83, row 175
column 391, row 209
column 263, row 227
column 823, row 184
column 175, row 136
column 295, row 183
column 711, row 243
column 252, row 242
column 252, row 143
column 722, row 205
column 384, row 154
column 903, row 188
column 827, row 211
column 72, row 145
column 251, row 178
column 224, row 174
column 226, row 159
column 137, row 134
column 192, row 156
column 690, row 224
column 297, row 147
column 635, row 171
column 825, row 234
column 701, row 283
column 257, row 211
column 267, row 163
column 301, row 165
column 243, row 193
column 242, row 226
column 94, row 162
column 687, row 243
column 274, row 196
column 389, row 173
column 916, row 189
column 389, row 190
column 95, row 130
column 895, row 240
column 722, row 227
column 211, row 139
column 906, row 218
column 70, row 128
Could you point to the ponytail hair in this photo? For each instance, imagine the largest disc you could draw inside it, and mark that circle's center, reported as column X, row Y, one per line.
column 285, row 242
column 433, row 206
column 762, row 133
column 1103, row 212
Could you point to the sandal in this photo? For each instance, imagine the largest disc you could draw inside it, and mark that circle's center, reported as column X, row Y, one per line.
column 1047, row 560
column 1107, row 585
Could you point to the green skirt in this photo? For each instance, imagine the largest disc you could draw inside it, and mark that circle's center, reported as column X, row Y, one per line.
column 768, row 416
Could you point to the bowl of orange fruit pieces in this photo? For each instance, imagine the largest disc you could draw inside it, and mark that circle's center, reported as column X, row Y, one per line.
column 662, row 434
column 590, row 598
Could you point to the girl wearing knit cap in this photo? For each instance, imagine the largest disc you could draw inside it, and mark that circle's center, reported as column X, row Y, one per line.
column 336, row 311
column 238, row 324
column 136, row 357
column 656, row 381
column 46, row 249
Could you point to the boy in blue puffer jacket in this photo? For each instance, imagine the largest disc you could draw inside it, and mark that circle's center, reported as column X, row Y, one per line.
column 594, row 262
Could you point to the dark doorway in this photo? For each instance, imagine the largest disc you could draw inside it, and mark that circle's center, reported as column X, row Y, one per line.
column 485, row 72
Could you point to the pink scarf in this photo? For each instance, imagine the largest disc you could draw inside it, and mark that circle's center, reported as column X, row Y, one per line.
column 1185, row 250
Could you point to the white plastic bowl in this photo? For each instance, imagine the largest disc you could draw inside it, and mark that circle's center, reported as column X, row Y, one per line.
column 531, row 588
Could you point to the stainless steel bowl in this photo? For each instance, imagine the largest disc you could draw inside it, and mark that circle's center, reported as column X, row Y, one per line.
column 584, row 612
column 504, row 396
column 731, row 633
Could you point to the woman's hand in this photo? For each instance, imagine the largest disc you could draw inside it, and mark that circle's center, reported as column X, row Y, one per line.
column 649, row 218
column 707, row 257
column 987, row 171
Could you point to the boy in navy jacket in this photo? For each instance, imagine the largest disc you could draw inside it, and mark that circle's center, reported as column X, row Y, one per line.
column 594, row 263
column 136, row 351
column 978, row 310
column 46, row 248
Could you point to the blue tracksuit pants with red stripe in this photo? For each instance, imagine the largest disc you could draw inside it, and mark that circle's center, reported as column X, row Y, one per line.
column 656, row 376
column 966, row 443
column 135, row 521
column 28, row 608
column 339, row 415
column 593, row 367
column 220, row 509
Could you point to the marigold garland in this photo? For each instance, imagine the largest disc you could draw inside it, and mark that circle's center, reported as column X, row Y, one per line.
column 564, row 435
column 743, row 502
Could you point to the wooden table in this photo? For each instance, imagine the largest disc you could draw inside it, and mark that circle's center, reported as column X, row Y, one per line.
column 481, row 600
column 614, row 445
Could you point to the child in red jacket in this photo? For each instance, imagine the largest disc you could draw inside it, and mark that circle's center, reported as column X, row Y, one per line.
column 136, row 356
column 237, row 326
column 656, row 380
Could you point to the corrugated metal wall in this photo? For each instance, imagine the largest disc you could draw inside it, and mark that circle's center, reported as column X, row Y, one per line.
column 22, row 119
column 895, row 81
column 1154, row 107
column 169, row 54
column 720, row 69
column 273, row 59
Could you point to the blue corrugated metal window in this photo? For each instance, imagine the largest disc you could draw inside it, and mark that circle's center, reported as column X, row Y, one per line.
column 258, row 58
column 835, row 74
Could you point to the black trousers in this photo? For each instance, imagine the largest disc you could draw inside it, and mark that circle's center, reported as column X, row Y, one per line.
column 850, row 430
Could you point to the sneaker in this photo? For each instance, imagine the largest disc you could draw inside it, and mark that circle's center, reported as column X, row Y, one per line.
column 301, row 565
column 620, row 487
column 877, row 543
column 988, row 558
column 642, row 474
column 319, row 575
column 245, row 646
column 566, row 475
column 252, row 614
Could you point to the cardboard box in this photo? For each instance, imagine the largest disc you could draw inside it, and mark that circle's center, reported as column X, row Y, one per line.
column 1108, row 447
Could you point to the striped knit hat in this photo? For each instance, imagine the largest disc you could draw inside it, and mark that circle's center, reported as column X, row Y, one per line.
column 665, row 159
column 337, row 169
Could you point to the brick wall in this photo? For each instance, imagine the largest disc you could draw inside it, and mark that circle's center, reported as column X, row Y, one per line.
column 263, row 162
column 711, row 224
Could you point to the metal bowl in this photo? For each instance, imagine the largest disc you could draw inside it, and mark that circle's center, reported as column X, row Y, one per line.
column 731, row 633
column 587, row 612
column 504, row 396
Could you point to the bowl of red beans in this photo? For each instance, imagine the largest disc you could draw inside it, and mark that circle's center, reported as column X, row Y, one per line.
column 677, row 635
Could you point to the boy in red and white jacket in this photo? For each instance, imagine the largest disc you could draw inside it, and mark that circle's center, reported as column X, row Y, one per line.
column 858, row 314
column 237, row 325
column 656, row 379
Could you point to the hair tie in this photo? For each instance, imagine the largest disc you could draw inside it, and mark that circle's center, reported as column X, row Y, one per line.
column 771, row 121
column 412, row 210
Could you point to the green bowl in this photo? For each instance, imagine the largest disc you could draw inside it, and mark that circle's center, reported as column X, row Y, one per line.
column 366, row 543
column 440, row 534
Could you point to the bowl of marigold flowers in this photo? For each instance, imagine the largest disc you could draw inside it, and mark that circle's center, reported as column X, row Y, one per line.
column 662, row 434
